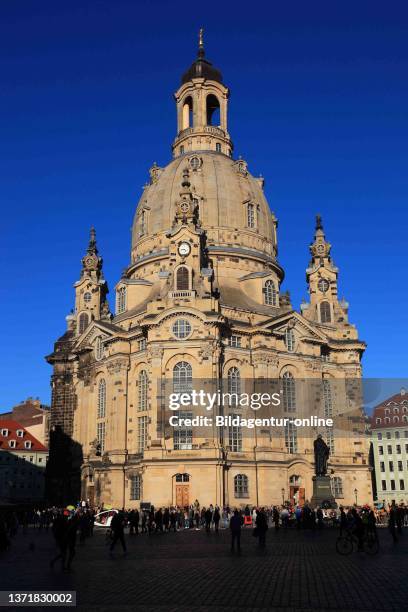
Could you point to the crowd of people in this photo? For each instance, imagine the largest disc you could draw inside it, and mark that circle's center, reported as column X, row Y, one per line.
column 70, row 522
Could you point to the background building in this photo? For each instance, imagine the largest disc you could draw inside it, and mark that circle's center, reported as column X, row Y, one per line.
column 389, row 427
column 201, row 300
column 23, row 462
column 34, row 416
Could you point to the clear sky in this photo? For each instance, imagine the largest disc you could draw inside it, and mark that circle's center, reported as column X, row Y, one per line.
column 318, row 107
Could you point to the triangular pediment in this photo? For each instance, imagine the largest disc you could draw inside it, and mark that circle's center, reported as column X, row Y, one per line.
column 294, row 320
column 95, row 329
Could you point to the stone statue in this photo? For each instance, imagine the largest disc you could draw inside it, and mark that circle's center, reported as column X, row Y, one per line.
column 321, row 455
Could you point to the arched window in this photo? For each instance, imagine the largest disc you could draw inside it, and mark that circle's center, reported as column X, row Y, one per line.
column 325, row 312
column 234, row 385
column 99, row 348
column 142, row 390
column 182, row 279
column 213, row 110
column 182, row 377
column 290, row 340
column 289, row 392
column 218, row 147
column 187, row 113
column 235, row 437
column 337, row 486
column 241, row 485
column 270, row 293
column 295, row 480
column 291, row 438
column 250, row 215
column 395, row 419
column 101, row 413
column 83, row 322
column 121, row 300
column 327, row 398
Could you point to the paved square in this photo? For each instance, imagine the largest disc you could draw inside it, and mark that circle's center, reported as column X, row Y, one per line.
column 192, row 570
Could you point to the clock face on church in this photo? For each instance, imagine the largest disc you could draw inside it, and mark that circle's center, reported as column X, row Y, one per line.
column 184, row 249
column 89, row 261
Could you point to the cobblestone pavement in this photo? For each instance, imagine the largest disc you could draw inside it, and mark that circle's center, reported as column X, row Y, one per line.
column 193, row 570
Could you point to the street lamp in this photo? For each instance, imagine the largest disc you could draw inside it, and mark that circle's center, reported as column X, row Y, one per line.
column 355, row 493
column 225, row 469
column 283, row 496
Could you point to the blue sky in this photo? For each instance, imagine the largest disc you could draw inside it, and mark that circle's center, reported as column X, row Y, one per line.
column 318, row 107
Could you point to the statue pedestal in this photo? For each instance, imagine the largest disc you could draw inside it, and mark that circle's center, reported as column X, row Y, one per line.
column 322, row 495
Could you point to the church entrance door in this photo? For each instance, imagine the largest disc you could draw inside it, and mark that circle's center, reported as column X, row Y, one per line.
column 297, row 495
column 182, row 495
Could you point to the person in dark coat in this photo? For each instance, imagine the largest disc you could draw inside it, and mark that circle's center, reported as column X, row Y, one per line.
column 235, row 527
column 208, row 518
column 343, row 520
column 216, row 518
column 275, row 518
column 261, row 523
column 117, row 525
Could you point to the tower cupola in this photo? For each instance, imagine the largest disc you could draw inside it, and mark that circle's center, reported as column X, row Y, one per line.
column 202, row 104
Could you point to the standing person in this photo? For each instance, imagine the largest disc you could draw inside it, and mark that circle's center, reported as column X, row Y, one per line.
column 235, row 526
column 358, row 528
column 166, row 519
column 72, row 528
column 261, row 523
column 173, row 520
column 144, row 522
column 319, row 516
column 298, row 515
column 117, row 526
column 399, row 518
column 208, row 518
column 59, row 530
column 275, row 517
column 392, row 521
column 343, row 520
column 216, row 518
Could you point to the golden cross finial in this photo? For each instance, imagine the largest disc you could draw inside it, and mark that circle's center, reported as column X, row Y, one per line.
column 201, row 38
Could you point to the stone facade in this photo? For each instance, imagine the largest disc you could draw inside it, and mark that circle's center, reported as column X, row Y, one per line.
column 201, row 299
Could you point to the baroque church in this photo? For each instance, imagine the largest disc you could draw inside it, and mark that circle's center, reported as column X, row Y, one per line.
column 201, row 299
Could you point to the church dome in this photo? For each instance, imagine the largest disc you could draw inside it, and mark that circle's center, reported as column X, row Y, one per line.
column 232, row 208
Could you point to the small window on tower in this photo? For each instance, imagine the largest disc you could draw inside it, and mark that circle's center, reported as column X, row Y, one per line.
column 83, row 322
column 218, row 147
column 183, row 281
column 87, row 297
column 325, row 312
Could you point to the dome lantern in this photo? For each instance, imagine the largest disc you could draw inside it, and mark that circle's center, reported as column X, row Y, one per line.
column 201, row 102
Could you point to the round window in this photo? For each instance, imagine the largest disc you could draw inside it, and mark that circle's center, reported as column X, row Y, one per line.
column 181, row 329
column 323, row 285
column 87, row 297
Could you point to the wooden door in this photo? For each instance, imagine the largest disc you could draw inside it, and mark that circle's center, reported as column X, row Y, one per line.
column 182, row 495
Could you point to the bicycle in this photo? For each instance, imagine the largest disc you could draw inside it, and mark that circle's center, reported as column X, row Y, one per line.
column 345, row 544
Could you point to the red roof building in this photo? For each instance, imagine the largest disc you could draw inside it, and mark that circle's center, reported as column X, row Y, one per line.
column 23, row 459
